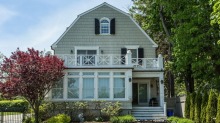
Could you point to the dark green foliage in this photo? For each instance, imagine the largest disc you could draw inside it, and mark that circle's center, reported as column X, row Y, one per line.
column 14, row 104
column 187, row 106
column 192, row 105
column 179, row 120
column 211, row 107
column 198, row 102
column 60, row 118
column 203, row 107
column 218, row 111
column 122, row 119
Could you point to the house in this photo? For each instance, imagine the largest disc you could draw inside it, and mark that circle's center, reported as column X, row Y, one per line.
column 108, row 56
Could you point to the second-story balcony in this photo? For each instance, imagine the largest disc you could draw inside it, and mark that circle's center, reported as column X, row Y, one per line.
column 111, row 61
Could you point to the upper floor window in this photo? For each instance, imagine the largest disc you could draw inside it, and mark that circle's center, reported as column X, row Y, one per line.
column 104, row 26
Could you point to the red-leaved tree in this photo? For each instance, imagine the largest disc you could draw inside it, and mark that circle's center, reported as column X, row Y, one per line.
column 30, row 75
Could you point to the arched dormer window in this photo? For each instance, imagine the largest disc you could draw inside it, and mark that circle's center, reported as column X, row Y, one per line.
column 104, row 26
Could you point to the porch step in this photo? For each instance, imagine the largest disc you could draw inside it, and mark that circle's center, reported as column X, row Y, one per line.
column 148, row 113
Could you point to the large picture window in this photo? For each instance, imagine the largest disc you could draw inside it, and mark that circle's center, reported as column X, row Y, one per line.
column 57, row 90
column 88, row 88
column 103, row 88
column 119, row 87
column 73, row 88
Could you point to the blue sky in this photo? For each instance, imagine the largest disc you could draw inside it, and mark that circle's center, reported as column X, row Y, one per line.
column 39, row 23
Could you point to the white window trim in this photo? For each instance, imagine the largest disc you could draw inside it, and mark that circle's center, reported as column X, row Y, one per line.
column 109, row 26
column 111, row 79
column 132, row 46
column 86, row 48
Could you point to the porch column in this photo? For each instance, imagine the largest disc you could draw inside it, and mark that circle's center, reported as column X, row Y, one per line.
column 128, row 58
column 161, row 83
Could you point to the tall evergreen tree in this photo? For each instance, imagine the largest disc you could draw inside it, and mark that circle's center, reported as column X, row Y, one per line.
column 211, row 107
column 198, row 103
column 203, row 107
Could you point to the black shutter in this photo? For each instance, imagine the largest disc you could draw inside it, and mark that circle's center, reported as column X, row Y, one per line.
column 123, row 53
column 97, row 26
column 140, row 55
column 112, row 25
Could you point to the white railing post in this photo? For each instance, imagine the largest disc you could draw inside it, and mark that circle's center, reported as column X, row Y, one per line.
column 160, row 61
column 165, row 108
column 80, row 60
column 128, row 58
column 96, row 60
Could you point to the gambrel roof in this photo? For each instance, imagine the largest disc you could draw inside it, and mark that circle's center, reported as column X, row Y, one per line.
column 104, row 4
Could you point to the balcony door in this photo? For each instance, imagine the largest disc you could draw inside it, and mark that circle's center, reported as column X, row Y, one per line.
column 86, row 57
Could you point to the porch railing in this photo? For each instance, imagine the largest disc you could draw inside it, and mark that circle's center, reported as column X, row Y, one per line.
column 110, row 60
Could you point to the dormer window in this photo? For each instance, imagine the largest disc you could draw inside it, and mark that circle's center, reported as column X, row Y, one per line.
column 104, row 26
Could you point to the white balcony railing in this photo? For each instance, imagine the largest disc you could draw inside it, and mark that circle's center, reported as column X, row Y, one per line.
column 110, row 60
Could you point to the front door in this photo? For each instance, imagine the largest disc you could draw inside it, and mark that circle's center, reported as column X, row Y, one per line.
column 142, row 94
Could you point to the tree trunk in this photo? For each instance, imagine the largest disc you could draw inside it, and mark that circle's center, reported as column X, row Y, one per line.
column 36, row 113
column 189, row 81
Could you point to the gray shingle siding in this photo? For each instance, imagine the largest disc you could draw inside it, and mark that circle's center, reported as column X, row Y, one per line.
column 82, row 33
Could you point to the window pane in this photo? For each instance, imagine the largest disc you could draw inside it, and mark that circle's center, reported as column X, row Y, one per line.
column 91, row 52
column 88, row 73
column 119, row 73
column 103, row 88
column 73, row 73
column 119, row 87
column 57, row 90
column 81, row 52
column 57, row 93
column 134, row 53
column 88, row 87
column 104, row 26
column 73, row 88
column 103, row 73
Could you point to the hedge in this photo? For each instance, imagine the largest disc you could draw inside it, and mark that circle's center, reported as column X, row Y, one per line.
column 179, row 120
column 218, row 111
column 197, row 107
column 192, row 105
column 13, row 105
column 60, row 118
column 187, row 106
column 203, row 107
column 211, row 107
column 122, row 119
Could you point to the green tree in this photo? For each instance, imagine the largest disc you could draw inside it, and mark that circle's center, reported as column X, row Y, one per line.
column 198, row 102
column 203, row 107
column 187, row 106
column 186, row 25
column 211, row 107
column 192, row 105
column 218, row 111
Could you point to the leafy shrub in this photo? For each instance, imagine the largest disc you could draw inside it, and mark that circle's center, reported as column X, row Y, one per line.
column 211, row 107
column 122, row 119
column 198, row 107
column 187, row 106
column 29, row 120
column 60, row 118
column 218, row 111
column 111, row 109
column 16, row 104
column 203, row 108
column 192, row 105
column 179, row 120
